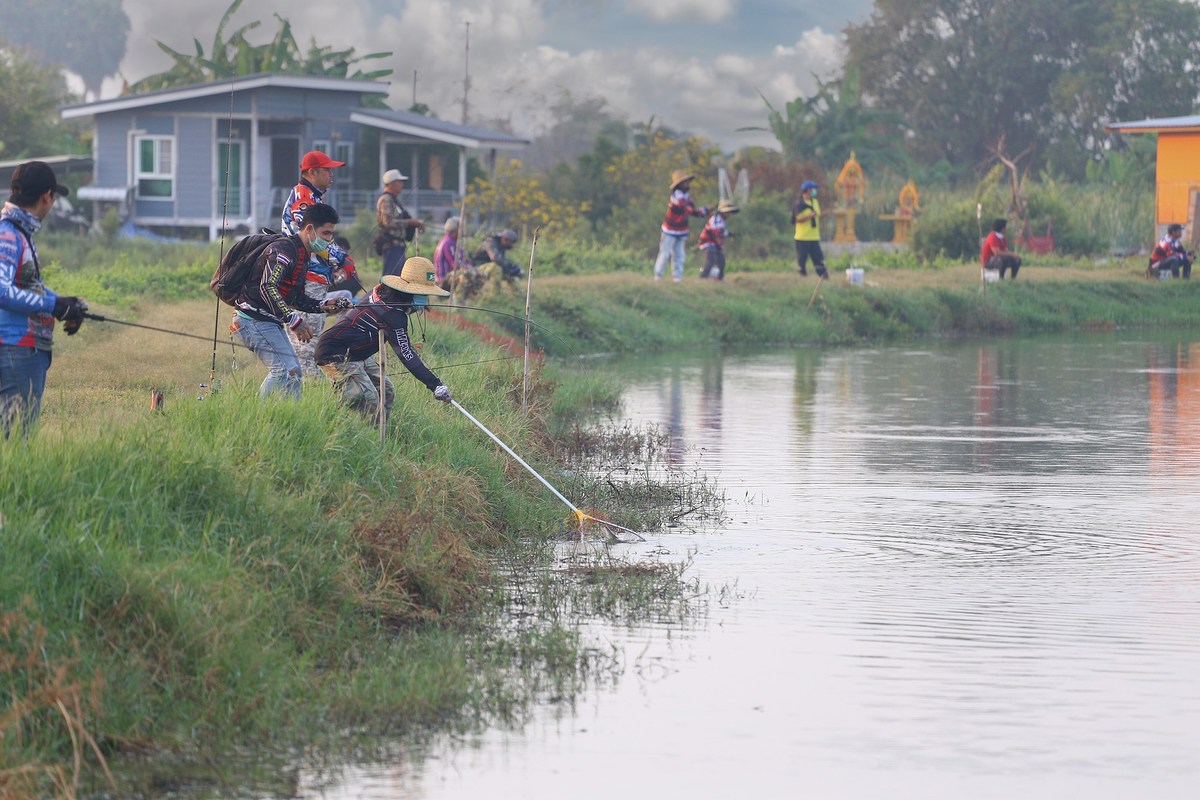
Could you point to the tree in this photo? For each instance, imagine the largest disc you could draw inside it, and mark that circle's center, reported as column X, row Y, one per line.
column 826, row 127
column 963, row 73
column 235, row 55
column 30, row 95
column 94, row 52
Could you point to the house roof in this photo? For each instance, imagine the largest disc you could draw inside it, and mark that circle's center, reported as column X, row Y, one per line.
column 1189, row 124
column 439, row 130
column 241, row 84
column 62, row 165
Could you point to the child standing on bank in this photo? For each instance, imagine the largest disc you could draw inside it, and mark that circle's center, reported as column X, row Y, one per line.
column 712, row 241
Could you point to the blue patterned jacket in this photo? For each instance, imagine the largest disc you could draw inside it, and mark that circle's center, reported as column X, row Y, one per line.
column 26, row 305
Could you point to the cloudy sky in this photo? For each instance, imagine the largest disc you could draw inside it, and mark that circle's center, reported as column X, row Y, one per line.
column 695, row 65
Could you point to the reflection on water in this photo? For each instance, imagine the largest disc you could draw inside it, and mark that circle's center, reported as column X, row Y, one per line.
column 960, row 570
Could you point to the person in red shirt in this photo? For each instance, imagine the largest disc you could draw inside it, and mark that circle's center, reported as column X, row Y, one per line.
column 995, row 255
column 1170, row 254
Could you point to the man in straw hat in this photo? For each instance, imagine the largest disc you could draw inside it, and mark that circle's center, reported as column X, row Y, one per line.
column 712, row 241
column 27, row 308
column 346, row 352
column 675, row 227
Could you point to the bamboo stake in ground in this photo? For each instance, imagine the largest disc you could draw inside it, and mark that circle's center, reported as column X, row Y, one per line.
column 382, row 392
column 528, row 298
column 820, row 280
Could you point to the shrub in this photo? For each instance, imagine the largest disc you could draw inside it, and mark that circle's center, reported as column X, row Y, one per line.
column 950, row 231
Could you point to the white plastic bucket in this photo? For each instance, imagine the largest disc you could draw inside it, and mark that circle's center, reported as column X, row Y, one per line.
column 854, row 276
column 991, row 275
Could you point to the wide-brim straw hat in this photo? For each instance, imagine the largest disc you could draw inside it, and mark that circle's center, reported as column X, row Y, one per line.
column 679, row 176
column 726, row 207
column 417, row 277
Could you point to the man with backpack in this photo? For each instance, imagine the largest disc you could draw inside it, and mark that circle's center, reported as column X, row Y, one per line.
column 271, row 295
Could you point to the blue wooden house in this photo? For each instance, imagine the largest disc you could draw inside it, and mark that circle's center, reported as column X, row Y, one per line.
column 224, row 155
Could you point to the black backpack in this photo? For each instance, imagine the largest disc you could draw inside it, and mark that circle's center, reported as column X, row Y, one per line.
column 238, row 266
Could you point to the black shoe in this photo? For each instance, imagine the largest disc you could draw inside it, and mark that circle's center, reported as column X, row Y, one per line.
column 803, row 272
column 822, row 274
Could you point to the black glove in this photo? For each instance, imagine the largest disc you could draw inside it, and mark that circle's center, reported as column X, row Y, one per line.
column 69, row 309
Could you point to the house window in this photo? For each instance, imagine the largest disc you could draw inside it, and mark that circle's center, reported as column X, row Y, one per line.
column 155, row 167
column 344, row 152
column 322, row 145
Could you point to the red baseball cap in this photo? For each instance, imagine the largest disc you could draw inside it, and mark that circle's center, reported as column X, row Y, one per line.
column 314, row 159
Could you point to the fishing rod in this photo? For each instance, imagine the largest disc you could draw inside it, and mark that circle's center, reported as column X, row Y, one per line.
column 581, row 516
column 101, row 318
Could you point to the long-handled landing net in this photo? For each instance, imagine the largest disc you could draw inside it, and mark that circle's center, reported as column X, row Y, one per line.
column 581, row 517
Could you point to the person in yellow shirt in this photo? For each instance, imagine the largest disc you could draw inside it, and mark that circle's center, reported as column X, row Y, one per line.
column 807, row 217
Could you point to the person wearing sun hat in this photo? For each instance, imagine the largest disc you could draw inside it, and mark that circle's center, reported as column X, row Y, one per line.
column 346, row 353
column 712, row 241
column 673, row 239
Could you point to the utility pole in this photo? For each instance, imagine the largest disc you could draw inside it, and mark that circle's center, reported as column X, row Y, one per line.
column 466, row 72
column 414, row 102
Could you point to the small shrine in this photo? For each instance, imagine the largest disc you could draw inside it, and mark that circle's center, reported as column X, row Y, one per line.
column 851, row 188
column 906, row 211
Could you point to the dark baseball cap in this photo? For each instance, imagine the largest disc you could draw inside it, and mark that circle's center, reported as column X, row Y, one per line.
column 35, row 178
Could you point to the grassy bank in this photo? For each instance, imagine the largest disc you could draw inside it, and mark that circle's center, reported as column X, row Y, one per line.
column 627, row 313
column 238, row 570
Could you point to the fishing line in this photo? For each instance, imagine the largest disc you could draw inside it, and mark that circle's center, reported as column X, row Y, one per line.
column 212, row 371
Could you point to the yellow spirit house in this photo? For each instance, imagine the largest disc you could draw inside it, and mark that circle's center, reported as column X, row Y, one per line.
column 1178, row 168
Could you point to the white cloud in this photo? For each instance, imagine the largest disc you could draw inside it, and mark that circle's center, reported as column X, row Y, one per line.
column 671, row 10
column 513, row 75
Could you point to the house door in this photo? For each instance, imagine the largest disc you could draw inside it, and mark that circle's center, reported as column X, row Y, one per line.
column 232, row 190
column 285, row 172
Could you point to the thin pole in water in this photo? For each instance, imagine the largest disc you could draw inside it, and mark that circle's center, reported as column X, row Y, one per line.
column 528, row 298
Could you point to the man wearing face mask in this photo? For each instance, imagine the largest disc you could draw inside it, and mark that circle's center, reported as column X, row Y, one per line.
column 807, row 217
column 275, row 297
column 316, row 176
column 346, row 352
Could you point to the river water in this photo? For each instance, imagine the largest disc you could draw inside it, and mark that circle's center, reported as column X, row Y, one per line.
column 949, row 570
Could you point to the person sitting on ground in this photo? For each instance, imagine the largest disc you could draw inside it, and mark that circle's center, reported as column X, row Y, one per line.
column 995, row 255
column 448, row 258
column 1170, row 254
column 275, row 297
column 495, row 250
column 712, row 241
column 346, row 352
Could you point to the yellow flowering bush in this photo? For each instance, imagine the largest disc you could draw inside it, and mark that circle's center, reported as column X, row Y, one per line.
column 518, row 199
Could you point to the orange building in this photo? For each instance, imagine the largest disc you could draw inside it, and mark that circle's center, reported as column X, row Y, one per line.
column 1178, row 170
